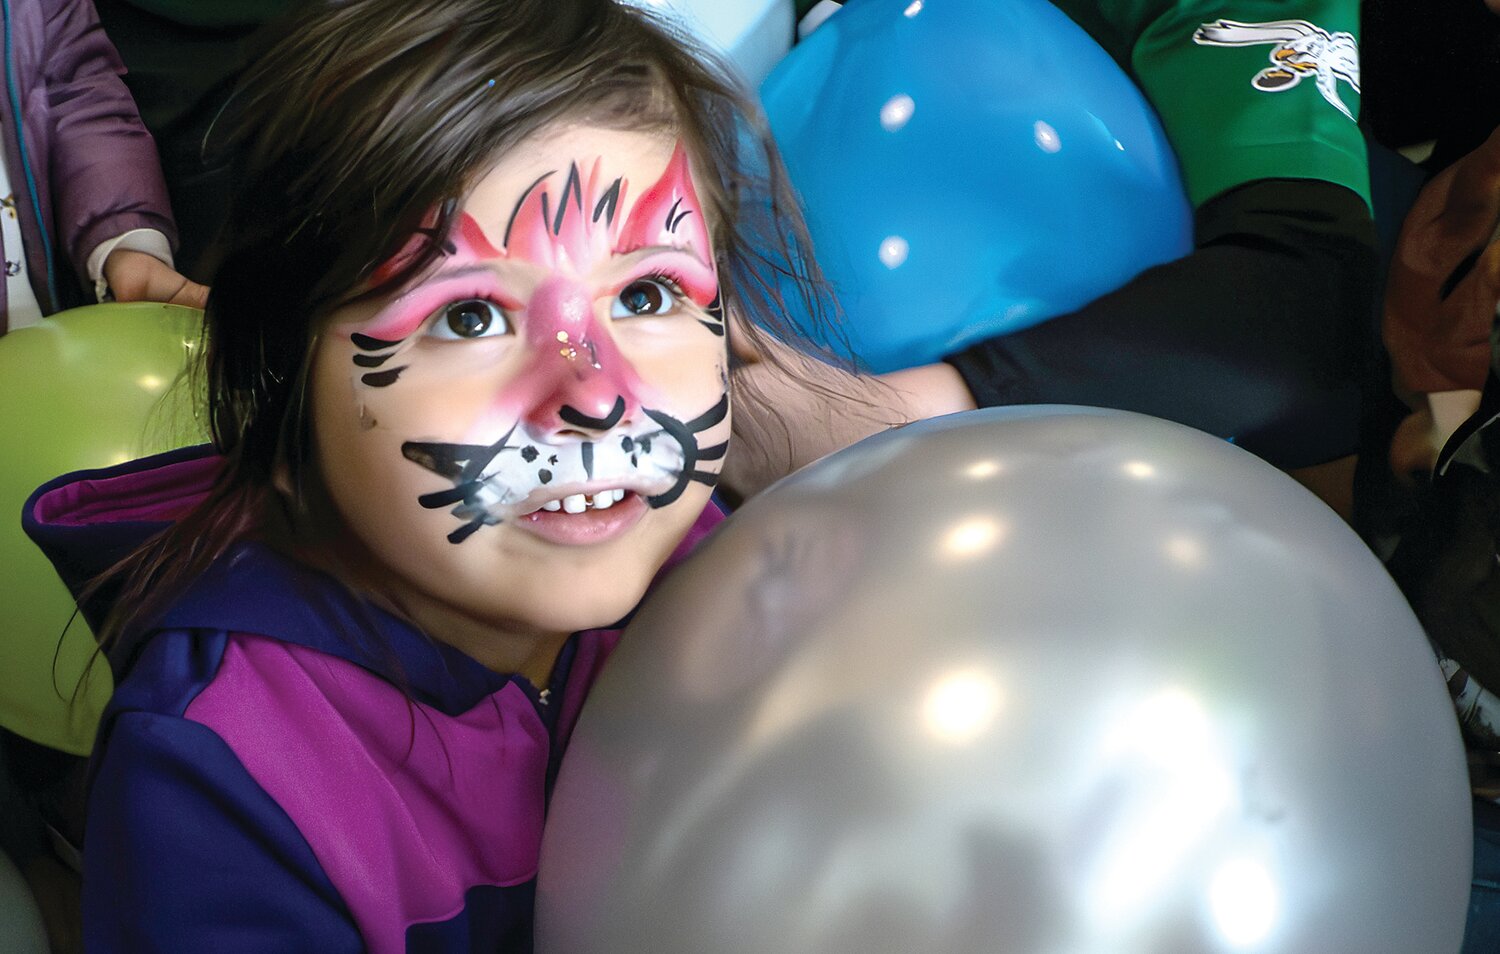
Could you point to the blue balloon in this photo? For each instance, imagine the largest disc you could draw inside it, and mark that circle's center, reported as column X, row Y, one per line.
column 970, row 168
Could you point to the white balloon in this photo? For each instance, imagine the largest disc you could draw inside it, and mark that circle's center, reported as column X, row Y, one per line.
column 1051, row 680
column 753, row 34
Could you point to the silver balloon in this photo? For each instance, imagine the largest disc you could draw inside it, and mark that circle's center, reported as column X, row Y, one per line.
column 21, row 924
column 1051, row 680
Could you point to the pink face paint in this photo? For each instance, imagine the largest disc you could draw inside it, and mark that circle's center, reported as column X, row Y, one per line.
column 577, row 229
column 668, row 214
column 404, row 316
column 579, row 377
column 698, row 280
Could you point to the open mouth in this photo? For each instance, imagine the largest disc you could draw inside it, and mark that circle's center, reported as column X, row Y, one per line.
column 578, row 503
column 584, row 518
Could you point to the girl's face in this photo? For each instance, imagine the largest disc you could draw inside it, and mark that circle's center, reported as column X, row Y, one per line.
column 524, row 434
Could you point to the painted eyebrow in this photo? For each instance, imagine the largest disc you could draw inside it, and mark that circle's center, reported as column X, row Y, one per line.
column 454, row 273
column 447, row 274
column 685, row 248
column 392, row 323
column 645, row 250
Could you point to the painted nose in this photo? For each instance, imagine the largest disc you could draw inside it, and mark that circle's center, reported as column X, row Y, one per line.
column 581, row 386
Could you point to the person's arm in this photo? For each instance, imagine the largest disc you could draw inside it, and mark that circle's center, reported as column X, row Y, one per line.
column 1257, row 335
column 791, row 409
column 105, row 174
column 185, row 852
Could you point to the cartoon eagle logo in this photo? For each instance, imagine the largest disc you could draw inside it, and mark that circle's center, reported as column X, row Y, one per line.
column 1300, row 50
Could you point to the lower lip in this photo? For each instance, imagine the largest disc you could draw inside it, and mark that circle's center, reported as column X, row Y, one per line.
column 591, row 526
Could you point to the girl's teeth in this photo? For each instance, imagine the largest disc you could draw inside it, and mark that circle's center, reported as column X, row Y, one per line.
column 578, row 503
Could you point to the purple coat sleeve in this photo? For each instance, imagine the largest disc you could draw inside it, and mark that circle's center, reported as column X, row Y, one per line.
column 103, row 168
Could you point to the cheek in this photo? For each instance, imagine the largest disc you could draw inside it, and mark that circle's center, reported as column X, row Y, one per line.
column 466, row 394
column 686, row 375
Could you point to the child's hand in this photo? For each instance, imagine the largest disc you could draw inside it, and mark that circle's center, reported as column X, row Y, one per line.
column 136, row 276
column 1419, row 439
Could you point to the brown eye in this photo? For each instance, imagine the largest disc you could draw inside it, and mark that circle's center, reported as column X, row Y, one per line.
column 471, row 318
column 644, row 296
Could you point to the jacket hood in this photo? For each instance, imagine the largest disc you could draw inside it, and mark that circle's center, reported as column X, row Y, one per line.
column 89, row 520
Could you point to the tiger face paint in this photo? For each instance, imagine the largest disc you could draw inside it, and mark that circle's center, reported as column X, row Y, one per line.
column 527, row 430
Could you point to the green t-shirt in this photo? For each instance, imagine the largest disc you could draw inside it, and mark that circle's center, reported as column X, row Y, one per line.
column 1246, row 89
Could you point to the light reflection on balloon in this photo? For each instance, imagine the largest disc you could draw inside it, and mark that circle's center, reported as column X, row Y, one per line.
column 982, row 469
column 1180, row 786
column 961, row 706
column 1245, row 901
column 1047, row 139
column 973, row 537
column 897, row 112
column 893, row 251
column 1185, row 550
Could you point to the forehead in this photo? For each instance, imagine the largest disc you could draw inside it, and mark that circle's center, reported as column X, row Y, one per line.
column 638, row 157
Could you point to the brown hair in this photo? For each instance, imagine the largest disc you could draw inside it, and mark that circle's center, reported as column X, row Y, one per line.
column 362, row 120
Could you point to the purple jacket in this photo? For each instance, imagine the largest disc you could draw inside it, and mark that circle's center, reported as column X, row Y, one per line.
column 81, row 164
column 286, row 767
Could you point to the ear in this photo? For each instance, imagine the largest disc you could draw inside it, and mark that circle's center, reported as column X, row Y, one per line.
column 747, row 343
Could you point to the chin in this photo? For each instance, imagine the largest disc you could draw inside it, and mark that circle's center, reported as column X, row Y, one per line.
column 575, row 618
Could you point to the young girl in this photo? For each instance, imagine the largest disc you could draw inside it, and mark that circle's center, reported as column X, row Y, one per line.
column 469, row 378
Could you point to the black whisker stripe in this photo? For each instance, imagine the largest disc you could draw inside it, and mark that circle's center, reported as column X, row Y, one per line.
column 670, row 214
column 479, row 462
column 448, row 459
column 678, row 221
column 466, row 531
column 714, row 452
column 439, row 499
column 709, row 417
column 383, row 379
column 366, row 343
column 373, row 360
column 717, row 327
column 670, row 495
column 709, row 477
column 522, row 201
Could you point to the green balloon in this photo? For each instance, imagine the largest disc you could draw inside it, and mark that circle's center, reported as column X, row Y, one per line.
column 87, row 388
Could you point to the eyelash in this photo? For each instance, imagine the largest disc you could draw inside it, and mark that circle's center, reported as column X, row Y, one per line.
column 673, row 282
